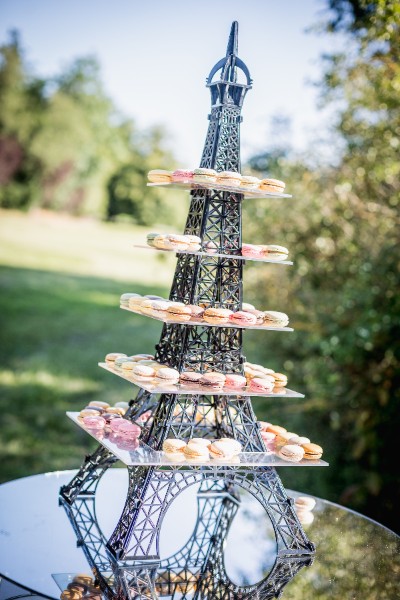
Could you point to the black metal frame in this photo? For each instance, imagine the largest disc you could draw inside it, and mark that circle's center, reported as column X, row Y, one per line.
column 215, row 216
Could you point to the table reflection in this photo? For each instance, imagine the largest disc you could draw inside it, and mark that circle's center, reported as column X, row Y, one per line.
column 355, row 558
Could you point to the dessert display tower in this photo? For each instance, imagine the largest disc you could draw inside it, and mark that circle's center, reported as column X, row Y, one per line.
column 132, row 551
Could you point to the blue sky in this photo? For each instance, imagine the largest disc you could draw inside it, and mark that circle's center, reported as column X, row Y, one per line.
column 155, row 56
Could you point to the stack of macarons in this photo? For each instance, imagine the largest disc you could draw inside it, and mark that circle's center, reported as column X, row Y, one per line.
column 168, row 310
column 304, row 506
column 230, row 179
column 261, row 378
column 82, row 586
column 192, row 243
column 288, row 445
column 202, row 449
column 143, row 368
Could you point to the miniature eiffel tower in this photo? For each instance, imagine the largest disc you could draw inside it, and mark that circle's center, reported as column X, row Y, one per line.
column 216, row 217
column 197, row 570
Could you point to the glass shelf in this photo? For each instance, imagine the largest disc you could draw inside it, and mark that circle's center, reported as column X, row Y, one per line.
column 155, row 387
column 134, row 452
column 204, row 324
column 216, row 254
column 223, row 188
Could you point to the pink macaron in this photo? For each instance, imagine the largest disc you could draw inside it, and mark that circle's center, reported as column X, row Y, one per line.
column 95, row 422
column 243, row 318
column 182, row 175
column 252, row 251
column 261, row 386
column 269, row 440
column 234, row 381
column 122, row 426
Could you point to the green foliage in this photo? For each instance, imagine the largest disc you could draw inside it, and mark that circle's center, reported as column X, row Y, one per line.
column 64, row 146
column 342, row 229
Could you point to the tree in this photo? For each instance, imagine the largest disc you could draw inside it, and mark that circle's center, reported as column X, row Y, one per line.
column 343, row 232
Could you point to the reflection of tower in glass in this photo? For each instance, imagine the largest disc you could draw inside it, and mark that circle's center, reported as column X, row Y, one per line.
column 197, row 570
column 215, row 216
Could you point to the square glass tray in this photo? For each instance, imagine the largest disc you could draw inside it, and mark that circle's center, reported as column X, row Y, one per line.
column 204, row 324
column 217, row 254
column 155, row 387
column 134, row 452
column 189, row 185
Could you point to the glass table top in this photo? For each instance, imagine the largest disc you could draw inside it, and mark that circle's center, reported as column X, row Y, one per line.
column 257, row 193
column 355, row 558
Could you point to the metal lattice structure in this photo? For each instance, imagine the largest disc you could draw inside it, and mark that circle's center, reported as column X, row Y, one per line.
column 197, row 570
column 216, row 217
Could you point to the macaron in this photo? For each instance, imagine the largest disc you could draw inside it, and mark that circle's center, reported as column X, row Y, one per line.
column 159, row 176
column 249, row 183
column 90, row 411
column 190, row 378
column 273, row 318
column 124, row 299
column 172, row 446
column 243, row 318
column 95, row 422
column 277, row 429
column 261, row 386
column 280, row 379
column 71, row 594
column 112, row 356
column 163, row 242
column 127, row 366
column 140, row 357
column 229, row 178
column 150, row 237
column 178, row 312
column 297, row 439
column 312, row 451
column 142, row 372
column 234, row 381
column 196, row 452
column 217, row 316
column 178, row 242
column 220, row 450
column 274, row 186
column 291, row 452
column 304, row 503
column 251, row 251
column 284, row 438
column 197, row 312
column 306, row 517
column 235, row 445
column 269, row 440
column 274, row 252
column 202, row 441
column 158, row 308
column 167, row 375
column 99, row 404
column 194, row 242
column 182, row 175
column 247, row 307
column 212, row 380
column 135, row 302
column 202, row 175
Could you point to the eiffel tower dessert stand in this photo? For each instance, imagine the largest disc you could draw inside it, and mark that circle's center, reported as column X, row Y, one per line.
column 128, row 564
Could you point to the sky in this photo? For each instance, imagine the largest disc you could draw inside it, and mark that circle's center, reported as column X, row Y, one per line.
column 155, row 56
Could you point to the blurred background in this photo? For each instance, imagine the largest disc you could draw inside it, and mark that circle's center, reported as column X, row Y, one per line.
column 92, row 96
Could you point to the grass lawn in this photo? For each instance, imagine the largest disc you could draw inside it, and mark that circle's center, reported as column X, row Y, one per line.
column 60, row 282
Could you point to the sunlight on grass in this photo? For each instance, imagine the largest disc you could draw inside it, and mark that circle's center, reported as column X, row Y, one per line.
column 48, row 380
column 64, row 244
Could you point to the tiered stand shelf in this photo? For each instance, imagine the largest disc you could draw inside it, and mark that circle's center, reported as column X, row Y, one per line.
column 128, row 564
